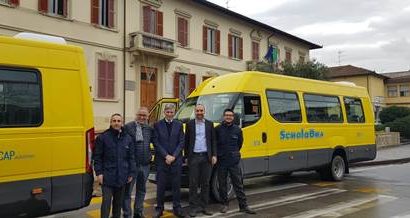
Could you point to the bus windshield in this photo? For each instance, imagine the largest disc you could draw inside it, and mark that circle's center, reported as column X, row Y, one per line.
column 214, row 104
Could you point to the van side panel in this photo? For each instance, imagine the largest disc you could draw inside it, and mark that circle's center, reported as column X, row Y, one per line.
column 51, row 156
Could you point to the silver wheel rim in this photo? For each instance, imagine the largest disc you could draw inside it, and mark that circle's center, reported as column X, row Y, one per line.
column 338, row 167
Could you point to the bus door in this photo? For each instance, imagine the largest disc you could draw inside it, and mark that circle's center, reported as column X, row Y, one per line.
column 248, row 113
column 285, row 132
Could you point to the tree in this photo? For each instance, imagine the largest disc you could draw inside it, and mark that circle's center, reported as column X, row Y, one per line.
column 392, row 113
column 311, row 70
column 401, row 125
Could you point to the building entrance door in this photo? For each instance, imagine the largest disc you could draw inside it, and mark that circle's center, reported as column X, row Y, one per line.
column 148, row 86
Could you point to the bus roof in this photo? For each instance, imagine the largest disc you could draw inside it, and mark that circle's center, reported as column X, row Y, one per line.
column 256, row 82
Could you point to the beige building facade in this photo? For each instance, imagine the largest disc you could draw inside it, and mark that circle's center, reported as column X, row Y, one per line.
column 139, row 51
column 385, row 90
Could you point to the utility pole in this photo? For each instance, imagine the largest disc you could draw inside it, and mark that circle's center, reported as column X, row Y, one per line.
column 339, row 55
column 227, row 4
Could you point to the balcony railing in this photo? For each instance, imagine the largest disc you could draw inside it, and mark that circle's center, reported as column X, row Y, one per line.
column 155, row 45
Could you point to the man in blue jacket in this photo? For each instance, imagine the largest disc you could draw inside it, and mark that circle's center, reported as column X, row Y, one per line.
column 169, row 142
column 142, row 135
column 114, row 165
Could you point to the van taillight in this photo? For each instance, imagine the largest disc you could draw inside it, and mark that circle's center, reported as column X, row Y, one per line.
column 90, row 134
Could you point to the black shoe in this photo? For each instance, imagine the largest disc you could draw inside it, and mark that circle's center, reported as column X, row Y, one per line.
column 224, row 209
column 247, row 210
column 179, row 214
column 207, row 212
column 192, row 213
column 157, row 214
column 139, row 215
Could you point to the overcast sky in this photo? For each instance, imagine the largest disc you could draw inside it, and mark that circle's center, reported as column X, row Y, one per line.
column 374, row 34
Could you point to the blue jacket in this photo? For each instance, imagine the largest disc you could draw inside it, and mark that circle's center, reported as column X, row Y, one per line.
column 229, row 141
column 142, row 149
column 168, row 144
column 114, row 157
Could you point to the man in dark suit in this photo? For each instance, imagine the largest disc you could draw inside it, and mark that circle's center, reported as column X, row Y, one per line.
column 200, row 147
column 169, row 142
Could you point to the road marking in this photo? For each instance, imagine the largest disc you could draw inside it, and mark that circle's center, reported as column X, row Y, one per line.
column 407, row 215
column 333, row 210
column 368, row 168
column 370, row 190
column 324, row 184
column 96, row 200
column 285, row 200
column 275, row 188
column 93, row 213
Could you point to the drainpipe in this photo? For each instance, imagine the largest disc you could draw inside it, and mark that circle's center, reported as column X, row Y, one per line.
column 124, row 56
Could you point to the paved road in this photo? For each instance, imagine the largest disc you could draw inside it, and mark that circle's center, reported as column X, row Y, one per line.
column 368, row 192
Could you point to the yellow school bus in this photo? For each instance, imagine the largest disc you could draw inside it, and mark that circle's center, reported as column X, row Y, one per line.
column 290, row 124
column 46, row 126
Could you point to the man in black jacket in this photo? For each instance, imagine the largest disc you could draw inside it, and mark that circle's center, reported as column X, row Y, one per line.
column 114, row 165
column 142, row 135
column 200, row 147
column 229, row 143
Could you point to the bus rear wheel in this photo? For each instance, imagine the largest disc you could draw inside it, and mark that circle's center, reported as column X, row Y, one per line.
column 215, row 187
column 335, row 171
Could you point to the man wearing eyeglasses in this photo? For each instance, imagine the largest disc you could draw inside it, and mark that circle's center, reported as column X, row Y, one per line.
column 114, row 165
column 229, row 143
column 142, row 135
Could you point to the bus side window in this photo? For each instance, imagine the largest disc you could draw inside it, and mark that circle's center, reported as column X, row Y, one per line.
column 354, row 110
column 252, row 109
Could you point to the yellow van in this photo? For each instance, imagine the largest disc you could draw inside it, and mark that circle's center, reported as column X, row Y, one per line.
column 46, row 126
column 290, row 124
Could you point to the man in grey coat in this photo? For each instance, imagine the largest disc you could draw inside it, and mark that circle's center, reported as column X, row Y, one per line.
column 142, row 135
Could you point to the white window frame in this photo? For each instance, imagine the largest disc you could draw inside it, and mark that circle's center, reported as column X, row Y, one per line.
column 236, row 46
column 211, row 40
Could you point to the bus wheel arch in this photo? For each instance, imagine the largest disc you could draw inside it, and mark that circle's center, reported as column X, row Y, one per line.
column 338, row 166
column 214, row 187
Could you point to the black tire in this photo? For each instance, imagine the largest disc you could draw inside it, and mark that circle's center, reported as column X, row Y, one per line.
column 335, row 171
column 215, row 187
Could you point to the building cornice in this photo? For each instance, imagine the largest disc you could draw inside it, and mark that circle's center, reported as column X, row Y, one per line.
column 182, row 13
column 153, row 3
column 211, row 23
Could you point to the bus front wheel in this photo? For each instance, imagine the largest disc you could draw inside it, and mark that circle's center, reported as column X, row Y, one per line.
column 215, row 187
column 335, row 170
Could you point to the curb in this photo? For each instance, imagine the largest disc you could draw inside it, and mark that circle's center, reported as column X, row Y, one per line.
column 380, row 162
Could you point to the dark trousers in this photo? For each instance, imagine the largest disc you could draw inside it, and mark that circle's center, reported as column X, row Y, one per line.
column 235, row 173
column 140, row 185
column 114, row 195
column 199, row 175
column 169, row 175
